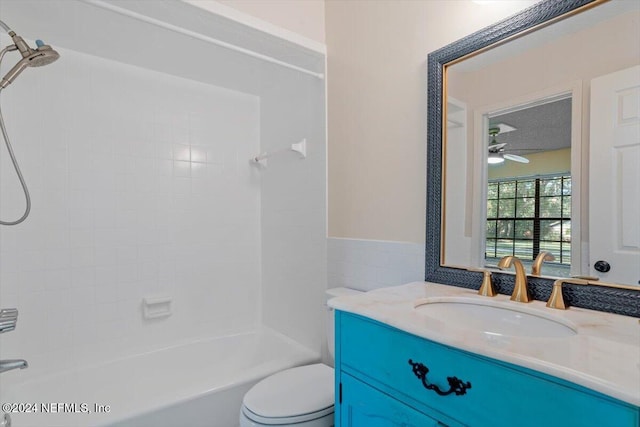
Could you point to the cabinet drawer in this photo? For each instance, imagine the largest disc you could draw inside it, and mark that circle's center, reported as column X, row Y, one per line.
column 364, row 406
column 500, row 394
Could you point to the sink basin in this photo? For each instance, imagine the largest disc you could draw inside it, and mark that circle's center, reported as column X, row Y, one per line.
column 494, row 317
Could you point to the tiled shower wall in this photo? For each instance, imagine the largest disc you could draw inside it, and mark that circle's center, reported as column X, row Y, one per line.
column 294, row 250
column 141, row 187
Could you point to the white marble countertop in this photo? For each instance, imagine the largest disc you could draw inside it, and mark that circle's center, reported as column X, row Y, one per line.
column 604, row 355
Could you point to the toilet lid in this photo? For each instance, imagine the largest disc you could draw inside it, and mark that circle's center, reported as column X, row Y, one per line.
column 302, row 392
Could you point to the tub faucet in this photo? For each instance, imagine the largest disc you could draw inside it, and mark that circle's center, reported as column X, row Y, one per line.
column 520, row 289
column 8, row 319
column 11, row 364
column 536, row 267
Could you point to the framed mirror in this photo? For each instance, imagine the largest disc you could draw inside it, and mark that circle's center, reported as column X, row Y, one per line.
column 491, row 98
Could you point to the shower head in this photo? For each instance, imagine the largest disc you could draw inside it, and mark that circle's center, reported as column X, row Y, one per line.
column 42, row 55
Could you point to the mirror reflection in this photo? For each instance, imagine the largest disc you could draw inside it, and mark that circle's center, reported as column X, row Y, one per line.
column 524, row 173
column 529, row 186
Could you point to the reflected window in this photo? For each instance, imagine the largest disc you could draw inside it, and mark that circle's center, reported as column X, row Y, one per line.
column 529, row 215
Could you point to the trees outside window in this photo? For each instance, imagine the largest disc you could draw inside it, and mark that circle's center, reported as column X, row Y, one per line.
column 529, row 215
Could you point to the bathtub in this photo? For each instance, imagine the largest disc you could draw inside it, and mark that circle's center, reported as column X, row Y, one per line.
column 197, row 384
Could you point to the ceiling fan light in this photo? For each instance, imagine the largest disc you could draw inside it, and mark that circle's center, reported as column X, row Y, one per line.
column 495, row 158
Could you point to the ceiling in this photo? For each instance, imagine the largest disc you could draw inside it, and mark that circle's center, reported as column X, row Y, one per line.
column 539, row 128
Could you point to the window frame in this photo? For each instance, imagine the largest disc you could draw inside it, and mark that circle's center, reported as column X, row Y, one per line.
column 563, row 256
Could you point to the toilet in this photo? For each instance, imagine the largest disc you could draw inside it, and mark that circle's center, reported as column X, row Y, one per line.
column 301, row 396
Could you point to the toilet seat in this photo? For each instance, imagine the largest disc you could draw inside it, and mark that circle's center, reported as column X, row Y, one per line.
column 286, row 420
column 291, row 396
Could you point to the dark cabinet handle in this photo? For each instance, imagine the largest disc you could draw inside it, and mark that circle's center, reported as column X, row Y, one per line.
column 456, row 385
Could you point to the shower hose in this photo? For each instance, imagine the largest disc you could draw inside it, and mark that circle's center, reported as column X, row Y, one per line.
column 15, row 165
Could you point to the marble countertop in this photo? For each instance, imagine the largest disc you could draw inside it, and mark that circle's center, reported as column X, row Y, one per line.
column 604, row 355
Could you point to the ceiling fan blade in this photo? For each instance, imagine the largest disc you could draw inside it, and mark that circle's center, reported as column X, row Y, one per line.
column 516, row 158
column 494, row 148
column 528, row 149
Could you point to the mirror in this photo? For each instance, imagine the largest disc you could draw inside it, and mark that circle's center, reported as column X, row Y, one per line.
column 527, row 103
column 520, row 91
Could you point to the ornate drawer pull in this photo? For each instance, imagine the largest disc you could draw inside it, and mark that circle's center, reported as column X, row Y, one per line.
column 456, row 385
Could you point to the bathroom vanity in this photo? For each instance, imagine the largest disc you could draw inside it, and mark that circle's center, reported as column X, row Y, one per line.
column 399, row 363
column 438, row 354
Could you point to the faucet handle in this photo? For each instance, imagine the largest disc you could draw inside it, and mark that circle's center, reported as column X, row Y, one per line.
column 556, row 300
column 587, row 278
column 487, row 289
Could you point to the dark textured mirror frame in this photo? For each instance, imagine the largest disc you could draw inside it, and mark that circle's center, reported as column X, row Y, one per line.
column 601, row 298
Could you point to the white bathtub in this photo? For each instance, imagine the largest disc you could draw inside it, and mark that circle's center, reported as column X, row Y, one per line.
column 193, row 385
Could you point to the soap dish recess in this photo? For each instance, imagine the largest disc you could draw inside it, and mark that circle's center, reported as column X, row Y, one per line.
column 156, row 307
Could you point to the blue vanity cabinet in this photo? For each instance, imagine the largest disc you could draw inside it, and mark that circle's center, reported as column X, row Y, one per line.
column 382, row 372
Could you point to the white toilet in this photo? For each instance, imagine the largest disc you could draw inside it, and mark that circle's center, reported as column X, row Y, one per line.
column 301, row 396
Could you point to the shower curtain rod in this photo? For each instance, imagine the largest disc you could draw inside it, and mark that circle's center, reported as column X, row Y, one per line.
column 140, row 17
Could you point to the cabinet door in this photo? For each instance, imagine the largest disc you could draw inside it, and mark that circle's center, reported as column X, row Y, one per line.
column 364, row 406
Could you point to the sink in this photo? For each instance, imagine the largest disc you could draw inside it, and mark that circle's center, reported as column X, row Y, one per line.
column 494, row 317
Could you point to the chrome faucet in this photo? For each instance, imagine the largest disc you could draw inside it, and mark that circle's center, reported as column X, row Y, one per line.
column 536, row 267
column 8, row 320
column 11, row 364
column 520, row 289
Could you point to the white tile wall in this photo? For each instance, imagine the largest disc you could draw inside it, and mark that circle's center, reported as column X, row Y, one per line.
column 371, row 264
column 140, row 187
column 294, row 274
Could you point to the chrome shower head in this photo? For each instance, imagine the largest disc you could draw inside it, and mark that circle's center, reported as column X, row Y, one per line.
column 42, row 55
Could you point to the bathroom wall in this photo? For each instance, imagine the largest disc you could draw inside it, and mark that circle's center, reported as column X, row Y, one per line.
column 141, row 187
column 377, row 88
column 376, row 55
column 294, row 254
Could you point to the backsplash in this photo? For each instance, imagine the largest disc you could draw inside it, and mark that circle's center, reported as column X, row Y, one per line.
column 371, row 264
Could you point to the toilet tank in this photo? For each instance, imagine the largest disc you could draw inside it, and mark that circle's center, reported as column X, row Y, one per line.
column 330, row 322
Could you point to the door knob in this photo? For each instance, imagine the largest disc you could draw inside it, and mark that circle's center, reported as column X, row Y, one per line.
column 602, row 266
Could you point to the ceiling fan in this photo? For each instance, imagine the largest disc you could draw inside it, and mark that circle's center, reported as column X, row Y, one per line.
column 496, row 150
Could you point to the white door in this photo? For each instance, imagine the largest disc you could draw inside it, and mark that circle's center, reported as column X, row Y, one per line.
column 614, row 177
